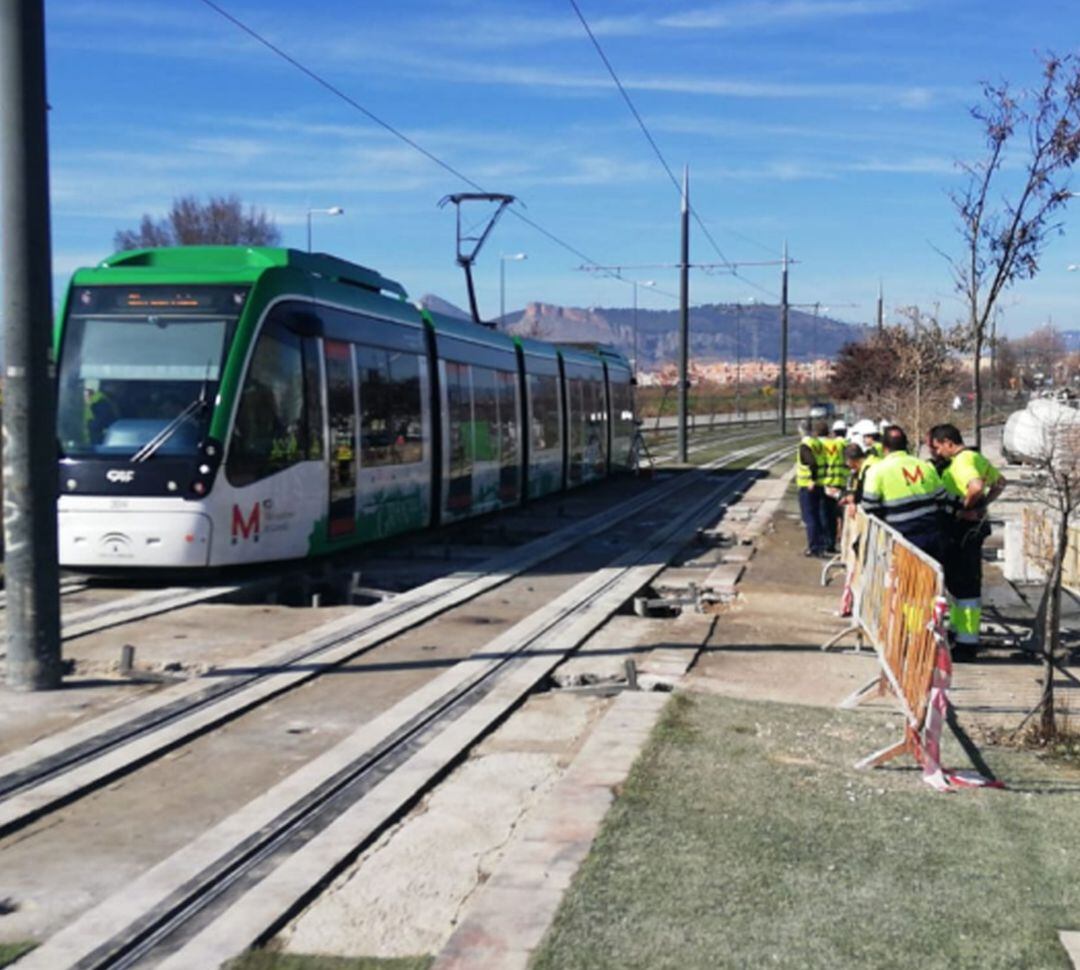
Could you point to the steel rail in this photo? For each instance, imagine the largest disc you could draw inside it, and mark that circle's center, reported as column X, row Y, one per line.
column 306, row 816
column 58, row 769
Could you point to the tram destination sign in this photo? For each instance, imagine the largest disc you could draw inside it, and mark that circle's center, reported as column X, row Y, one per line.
column 224, row 300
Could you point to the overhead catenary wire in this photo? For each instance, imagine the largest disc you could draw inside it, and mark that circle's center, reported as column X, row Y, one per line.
column 397, row 133
column 732, row 267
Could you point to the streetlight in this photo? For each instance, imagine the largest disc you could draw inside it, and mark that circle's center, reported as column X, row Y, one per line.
column 638, row 283
column 818, row 308
column 334, row 210
column 517, row 257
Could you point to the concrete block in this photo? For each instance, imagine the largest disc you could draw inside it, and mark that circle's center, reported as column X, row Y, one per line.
column 1017, row 568
column 724, row 577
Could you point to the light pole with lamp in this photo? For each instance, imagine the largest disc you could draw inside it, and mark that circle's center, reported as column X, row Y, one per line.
column 638, row 283
column 334, row 210
column 516, row 257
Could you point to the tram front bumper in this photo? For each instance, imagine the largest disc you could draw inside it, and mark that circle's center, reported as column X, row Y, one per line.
column 175, row 539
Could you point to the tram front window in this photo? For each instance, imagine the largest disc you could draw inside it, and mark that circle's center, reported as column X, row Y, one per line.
column 135, row 365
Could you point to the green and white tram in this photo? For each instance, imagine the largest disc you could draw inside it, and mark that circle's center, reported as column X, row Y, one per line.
column 229, row 405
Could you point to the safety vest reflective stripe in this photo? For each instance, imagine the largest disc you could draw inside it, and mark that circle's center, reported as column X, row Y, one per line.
column 807, row 474
column 965, row 615
column 836, row 471
column 903, row 490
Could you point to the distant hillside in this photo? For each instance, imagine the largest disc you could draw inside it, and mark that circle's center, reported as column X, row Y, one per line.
column 713, row 331
column 431, row 302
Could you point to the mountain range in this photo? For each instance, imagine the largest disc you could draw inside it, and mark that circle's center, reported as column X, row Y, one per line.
column 718, row 331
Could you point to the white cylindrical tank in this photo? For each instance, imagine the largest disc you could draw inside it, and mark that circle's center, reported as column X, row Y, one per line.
column 1047, row 429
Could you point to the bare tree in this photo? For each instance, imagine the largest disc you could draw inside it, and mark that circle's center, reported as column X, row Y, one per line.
column 1042, row 352
column 1057, row 491
column 1005, row 220
column 899, row 373
column 221, row 221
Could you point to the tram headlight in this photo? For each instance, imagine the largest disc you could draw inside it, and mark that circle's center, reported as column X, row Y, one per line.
column 199, row 488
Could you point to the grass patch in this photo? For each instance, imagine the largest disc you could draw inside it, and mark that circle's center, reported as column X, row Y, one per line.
column 269, row 960
column 744, row 838
column 10, row 952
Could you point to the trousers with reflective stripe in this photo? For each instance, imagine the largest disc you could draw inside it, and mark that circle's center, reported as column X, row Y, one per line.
column 963, row 579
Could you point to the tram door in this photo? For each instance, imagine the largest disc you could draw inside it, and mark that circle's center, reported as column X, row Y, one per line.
column 341, row 412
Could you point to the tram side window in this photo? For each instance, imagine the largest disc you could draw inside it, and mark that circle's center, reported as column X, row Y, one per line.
column 485, row 441
column 313, row 399
column 391, row 432
column 459, row 424
column 575, row 394
column 375, row 397
column 406, row 409
column 271, row 429
column 507, row 385
column 596, row 410
column 544, row 398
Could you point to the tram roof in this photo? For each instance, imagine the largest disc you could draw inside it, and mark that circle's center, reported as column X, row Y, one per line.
column 580, row 354
column 448, row 326
column 214, row 264
column 537, row 348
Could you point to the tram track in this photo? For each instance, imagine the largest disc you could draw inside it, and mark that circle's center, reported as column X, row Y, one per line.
column 62, row 767
column 143, row 604
column 236, row 883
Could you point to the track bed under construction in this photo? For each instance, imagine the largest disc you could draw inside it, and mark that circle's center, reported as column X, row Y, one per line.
column 89, row 810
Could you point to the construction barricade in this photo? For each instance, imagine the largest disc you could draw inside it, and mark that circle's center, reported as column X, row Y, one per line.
column 895, row 595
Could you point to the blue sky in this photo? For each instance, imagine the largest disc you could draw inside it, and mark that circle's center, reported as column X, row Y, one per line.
column 834, row 124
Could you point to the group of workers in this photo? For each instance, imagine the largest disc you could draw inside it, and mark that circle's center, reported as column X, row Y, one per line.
column 939, row 506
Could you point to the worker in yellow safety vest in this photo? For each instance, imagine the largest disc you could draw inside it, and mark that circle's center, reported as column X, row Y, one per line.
column 907, row 493
column 809, row 475
column 834, row 478
column 971, row 483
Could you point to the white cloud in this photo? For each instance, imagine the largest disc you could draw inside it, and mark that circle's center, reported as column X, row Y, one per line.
column 760, row 14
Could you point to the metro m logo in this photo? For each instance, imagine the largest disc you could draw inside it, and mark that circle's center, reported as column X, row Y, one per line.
column 911, row 477
column 245, row 528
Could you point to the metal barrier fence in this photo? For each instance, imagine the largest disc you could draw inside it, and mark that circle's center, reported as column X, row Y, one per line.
column 895, row 596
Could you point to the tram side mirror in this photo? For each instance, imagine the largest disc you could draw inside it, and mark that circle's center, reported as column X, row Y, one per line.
column 305, row 324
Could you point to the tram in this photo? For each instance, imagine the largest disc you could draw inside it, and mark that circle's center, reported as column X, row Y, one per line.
column 227, row 405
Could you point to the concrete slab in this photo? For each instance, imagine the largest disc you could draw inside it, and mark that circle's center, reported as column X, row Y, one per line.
column 725, row 577
column 512, row 911
column 1070, row 939
column 392, row 901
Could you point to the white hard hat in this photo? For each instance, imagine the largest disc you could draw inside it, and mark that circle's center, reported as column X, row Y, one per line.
column 839, row 425
column 865, row 426
column 884, row 424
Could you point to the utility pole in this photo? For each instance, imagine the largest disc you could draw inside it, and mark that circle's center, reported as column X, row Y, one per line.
column 31, row 572
column 783, row 341
column 738, row 360
column 684, row 317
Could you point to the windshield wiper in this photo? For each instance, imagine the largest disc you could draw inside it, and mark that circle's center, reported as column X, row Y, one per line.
column 173, row 426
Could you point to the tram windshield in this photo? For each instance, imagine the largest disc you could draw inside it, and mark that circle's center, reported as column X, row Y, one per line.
column 138, row 366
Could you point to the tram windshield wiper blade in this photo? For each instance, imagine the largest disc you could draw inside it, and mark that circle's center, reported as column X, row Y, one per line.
column 172, row 427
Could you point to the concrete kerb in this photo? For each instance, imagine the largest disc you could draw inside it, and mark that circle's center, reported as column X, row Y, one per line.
column 1070, row 939
column 511, row 913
